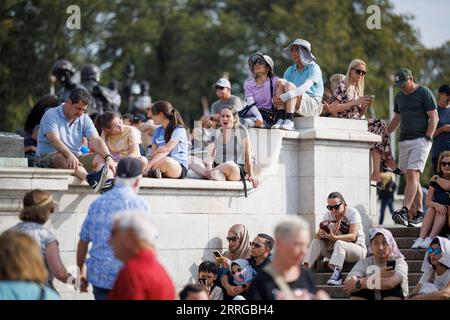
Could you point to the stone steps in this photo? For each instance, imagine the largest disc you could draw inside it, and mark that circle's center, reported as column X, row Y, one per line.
column 337, row 292
column 404, row 237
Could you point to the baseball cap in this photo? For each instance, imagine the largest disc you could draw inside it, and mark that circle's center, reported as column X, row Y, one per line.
column 129, row 168
column 402, row 76
column 222, row 82
column 444, row 89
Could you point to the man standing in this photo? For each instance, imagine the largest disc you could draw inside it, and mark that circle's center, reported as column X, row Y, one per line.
column 260, row 255
column 301, row 88
column 415, row 111
column 61, row 137
column 102, row 266
column 226, row 99
column 441, row 136
column 142, row 277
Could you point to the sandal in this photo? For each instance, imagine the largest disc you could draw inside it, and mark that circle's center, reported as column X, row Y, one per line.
column 395, row 171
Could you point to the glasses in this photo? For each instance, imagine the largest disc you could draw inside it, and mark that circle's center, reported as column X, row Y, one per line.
column 434, row 250
column 443, row 163
column 238, row 270
column 256, row 245
column 219, row 88
column 360, row 72
column 260, row 61
column 231, row 239
column 335, row 207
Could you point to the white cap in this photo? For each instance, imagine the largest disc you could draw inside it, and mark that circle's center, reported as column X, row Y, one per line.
column 222, row 82
column 302, row 43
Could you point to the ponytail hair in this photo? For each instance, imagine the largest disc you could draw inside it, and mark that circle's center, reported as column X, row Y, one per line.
column 170, row 113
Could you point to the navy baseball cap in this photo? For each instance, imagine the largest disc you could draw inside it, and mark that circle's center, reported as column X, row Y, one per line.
column 129, row 168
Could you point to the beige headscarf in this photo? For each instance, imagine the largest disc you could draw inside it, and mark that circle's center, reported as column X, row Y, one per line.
column 243, row 251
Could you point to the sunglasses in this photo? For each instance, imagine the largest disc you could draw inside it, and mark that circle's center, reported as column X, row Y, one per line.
column 360, row 72
column 256, row 245
column 231, row 239
column 238, row 270
column 219, row 88
column 434, row 250
column 335, row 207
column 443, row 163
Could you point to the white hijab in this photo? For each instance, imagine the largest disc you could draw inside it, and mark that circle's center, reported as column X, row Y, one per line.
column 445, row 259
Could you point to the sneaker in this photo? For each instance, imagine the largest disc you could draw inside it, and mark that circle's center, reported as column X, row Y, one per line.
column 278, row 124
column 417, row 243
column 336, row 278
column 109, row 184
column 401, row 216
column 288, row 125
column 417, row 220
column 155, row 173
column 97, row 179
column 217, row 175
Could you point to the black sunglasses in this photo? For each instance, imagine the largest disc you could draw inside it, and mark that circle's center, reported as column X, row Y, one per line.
column 238, row 270
column 335, row 207
column 219, row 88
column 443, row 163
column 256, row 245
column 360, row 72
column 229, row 239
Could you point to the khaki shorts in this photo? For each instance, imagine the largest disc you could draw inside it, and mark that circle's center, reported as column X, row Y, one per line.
column 85, row 159
column 413, row 154
column 309, row 106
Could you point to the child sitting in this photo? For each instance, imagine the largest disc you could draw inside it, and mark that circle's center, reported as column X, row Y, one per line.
column 207, row 276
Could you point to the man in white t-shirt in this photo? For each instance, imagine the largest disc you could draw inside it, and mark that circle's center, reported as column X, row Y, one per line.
column 340, row 238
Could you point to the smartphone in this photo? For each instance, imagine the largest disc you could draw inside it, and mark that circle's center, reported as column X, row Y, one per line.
column 202, row 282
column 217, row 254
column 391, row 264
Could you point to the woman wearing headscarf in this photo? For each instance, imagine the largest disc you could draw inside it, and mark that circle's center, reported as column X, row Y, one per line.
column 435, row 281
column 383, row 275
column 238, row 248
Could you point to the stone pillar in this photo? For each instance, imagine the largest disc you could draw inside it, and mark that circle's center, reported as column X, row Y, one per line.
column 12, row 150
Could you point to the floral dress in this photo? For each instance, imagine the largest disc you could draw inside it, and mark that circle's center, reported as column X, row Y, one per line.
column 376, row 126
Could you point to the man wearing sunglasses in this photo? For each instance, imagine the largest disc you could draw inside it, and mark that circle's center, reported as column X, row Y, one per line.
column 301, row 88
column 441, row 138
column 260, row 255
column 415, row 112
column 226, row 99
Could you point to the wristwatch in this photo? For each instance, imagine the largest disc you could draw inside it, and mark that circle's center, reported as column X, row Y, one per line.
column 358, row 284
column 428, row 138
column 108, row 155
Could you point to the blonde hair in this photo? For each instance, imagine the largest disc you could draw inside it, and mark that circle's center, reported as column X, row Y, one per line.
column 235, row 116
column 359, row 86
column 37, row 206
column 443, row 155
column 336, row 80
column 21, row 258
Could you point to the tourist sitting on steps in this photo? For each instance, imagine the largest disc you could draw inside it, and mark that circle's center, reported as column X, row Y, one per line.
column 438, row 201
column 435, row 281
column 340, row 238
column 169, row 156
column 229, row 157
column 207, row 278
column 382, row 276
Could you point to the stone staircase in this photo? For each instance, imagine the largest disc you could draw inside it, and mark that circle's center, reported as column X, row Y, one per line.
column 404, row 238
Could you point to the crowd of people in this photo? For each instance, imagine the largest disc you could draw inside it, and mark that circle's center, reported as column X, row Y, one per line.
column 113, row 152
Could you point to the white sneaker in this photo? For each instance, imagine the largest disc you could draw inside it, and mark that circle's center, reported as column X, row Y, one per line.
column 288, row 125
column 335, row 279
column 278, row 124
column 417, row 243
column 218, row 176
column 425, row 243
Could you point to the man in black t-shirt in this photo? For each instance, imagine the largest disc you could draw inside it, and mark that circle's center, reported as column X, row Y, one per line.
column 283, row 279
column 260, row 255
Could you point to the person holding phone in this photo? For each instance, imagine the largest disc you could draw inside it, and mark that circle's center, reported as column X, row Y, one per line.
column 382, row 276
column 340, row 238
column 348, row 101
column 207, row 276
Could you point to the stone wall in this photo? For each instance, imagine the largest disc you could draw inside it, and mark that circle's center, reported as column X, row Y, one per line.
column 297, row 170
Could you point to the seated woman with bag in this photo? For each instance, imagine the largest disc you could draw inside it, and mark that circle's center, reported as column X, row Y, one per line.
column 259, row 91
column 340, row 238
column 229, row 157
